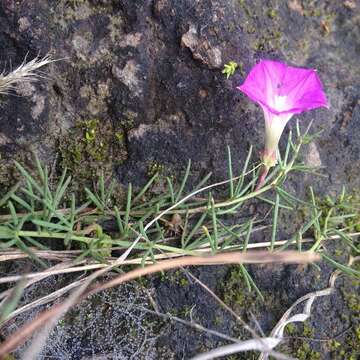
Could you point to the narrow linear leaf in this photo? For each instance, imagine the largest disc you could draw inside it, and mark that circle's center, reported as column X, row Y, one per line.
column 171, row 189
column 145, row 188
column 22, row 202
column 248, row 234
column 94, row 199
column 230, row 173
column 184, row 180
column 50, row 226
column 195, row 228
column 203, row 181
column 118, row 220
column 128, row 208
column 275, row 221
column 6, row 233
column 8, row 195
column 244, row 170
column 345, row 269
column 11, row 302
column 214, row 223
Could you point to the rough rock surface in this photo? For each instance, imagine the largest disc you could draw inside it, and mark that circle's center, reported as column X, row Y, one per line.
column 148, row 74
column 154, row 65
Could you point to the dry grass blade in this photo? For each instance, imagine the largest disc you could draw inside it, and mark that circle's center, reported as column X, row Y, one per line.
column 263, row 344
column 266, row 345
column 40, row 277
column 278, row 331
column 44, row 300
column 27, row 331
column 10, row 255
column 251, row 257
column 55, row 295
column 64, row 270
column 26, row 72
column 39, row 341
column 71, row 269
column 58, row 310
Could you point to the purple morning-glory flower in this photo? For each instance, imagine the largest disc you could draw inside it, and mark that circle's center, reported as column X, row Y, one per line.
column 281, row 91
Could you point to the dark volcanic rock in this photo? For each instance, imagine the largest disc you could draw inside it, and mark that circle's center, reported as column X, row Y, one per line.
column 152, row 67
column 150, row 73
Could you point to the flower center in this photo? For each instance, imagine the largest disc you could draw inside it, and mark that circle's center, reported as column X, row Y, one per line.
column 280, row 103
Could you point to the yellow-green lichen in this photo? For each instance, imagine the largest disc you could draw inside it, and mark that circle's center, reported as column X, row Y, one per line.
column 155, row 168
column 300, row 348
column 272, row 13
column 128, row 120
column 177, row 277
column 290, row 329
column 304, row 352
column 263, row 38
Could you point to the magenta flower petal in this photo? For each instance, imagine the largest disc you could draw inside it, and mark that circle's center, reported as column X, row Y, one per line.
column 281, row 91
column 284, row 89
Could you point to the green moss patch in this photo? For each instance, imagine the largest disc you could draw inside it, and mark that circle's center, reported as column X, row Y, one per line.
column 90, row 148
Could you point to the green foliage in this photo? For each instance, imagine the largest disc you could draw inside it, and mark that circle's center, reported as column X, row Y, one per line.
column 304, row 352
column 342, row 211
column 230, row 68
column 155, row 168
column 42, row 213
column 45, row 215
column 10, row 303
column 236, row 293
column 272, row 13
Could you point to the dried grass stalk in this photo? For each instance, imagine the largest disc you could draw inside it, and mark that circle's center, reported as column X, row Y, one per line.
column 54, row 313
column 26, row 72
